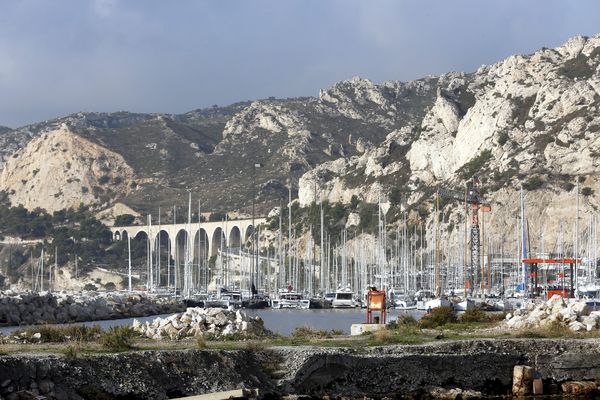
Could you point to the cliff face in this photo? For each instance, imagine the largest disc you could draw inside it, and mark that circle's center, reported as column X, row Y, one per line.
column 60, row 169
column 529, row 116
column 529, row 120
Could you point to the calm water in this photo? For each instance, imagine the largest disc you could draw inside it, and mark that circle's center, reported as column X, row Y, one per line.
column 285, row 321
column 279, row 321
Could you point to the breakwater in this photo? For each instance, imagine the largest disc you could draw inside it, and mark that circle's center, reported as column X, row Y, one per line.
column 28, row 308
column 481, row 366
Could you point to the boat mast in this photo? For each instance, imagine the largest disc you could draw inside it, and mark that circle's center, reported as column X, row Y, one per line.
column 523, row 244
column 158, row 252
column 129, row 259
column 576, row 252
column 150, row 279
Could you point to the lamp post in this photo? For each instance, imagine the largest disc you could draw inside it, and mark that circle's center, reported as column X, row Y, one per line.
column 254, row 236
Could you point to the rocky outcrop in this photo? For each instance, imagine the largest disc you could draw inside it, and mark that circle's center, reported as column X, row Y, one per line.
column 60, row 170
column 210, row 322
column 58, row 308
column 574, row 314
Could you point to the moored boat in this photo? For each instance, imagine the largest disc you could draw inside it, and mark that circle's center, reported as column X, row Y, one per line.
column 344, row 298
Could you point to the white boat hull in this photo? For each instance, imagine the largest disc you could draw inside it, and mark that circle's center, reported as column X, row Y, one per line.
column 433, row 303
column 464, row 305
column 343, row 304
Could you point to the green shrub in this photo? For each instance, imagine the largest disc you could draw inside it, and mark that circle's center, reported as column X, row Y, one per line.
column 587, row 191
column 473, row 315
column 439, row 316
column 534, row 182
column 474, row 166
column 124, row 220
column 502, row 138
column 104, row 179
column 90, row 287
column 118, row 338
column 522, row 105
column 405, row 321
column 576, row 68
column 567, row 186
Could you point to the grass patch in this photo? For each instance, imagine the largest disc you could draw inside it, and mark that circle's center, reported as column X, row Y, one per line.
column 118, row 338
column 306, row 332
column 73, row 350
column 200, row 343
column 60, row 334
column 554, row 330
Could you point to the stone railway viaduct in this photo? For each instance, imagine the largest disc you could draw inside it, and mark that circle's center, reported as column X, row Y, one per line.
column 207, row 236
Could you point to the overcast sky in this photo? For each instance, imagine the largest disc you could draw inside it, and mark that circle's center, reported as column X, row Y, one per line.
column 62, row 56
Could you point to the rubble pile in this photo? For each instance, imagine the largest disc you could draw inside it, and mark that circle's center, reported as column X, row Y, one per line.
column 572, row 313
column 212, row 322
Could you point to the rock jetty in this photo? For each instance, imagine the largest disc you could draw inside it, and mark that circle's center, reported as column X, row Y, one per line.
column 28, row 308
column 572, row 313
column 196, row 321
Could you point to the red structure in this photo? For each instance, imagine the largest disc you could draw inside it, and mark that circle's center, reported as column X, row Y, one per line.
column 562, row 290
column 376, row 302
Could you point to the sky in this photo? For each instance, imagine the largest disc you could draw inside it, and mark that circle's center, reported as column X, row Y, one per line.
column 63, row 56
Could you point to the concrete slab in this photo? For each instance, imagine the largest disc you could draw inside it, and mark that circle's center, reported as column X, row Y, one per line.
column 359, row 329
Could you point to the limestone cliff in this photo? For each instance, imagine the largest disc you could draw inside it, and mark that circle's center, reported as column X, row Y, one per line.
column 528, row 120
column 60, row 169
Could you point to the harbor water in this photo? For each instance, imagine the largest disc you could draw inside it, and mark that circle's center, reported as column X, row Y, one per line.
column 282, row 322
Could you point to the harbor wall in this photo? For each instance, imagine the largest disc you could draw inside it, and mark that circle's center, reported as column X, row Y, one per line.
column 29, row 308
column 484, row 366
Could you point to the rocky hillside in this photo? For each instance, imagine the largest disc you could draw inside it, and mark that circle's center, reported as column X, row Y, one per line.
column 529, row 119
column 60, row 169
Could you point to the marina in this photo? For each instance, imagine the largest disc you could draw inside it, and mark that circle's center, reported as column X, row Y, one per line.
column 292, row 271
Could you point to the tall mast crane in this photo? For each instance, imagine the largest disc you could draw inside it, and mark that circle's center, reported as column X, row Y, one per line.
column 471, row 196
